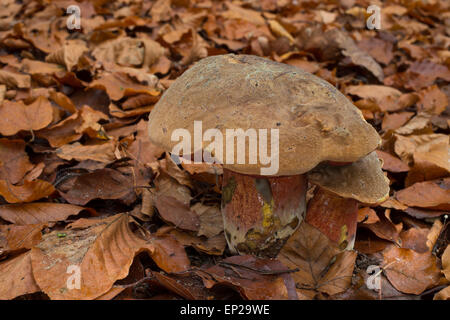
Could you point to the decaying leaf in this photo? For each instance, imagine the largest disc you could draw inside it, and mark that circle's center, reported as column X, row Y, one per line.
column 322, row 266
column 102, row 250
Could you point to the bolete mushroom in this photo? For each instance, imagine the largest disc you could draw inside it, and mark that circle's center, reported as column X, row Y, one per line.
column 319, row 135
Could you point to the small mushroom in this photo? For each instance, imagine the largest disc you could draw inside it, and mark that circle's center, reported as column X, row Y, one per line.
column 322, row 137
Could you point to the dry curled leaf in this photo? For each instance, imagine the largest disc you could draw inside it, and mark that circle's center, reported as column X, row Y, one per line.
column 103, row 250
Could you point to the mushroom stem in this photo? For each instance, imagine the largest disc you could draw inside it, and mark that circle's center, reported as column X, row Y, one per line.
column 334, row 216
column 261, row 212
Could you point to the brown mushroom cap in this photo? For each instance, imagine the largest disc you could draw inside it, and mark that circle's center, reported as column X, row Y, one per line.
column 362, row 180
column 315, row 121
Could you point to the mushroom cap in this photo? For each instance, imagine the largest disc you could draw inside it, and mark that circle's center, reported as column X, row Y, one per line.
column 362, row 180
column 315, row 121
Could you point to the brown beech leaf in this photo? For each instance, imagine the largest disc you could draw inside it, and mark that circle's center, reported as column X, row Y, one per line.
column 419, row 125
column 14, row 160
column 16, row 277
column 119, row 113
column 383, row 96
column 213, row 246
column 2, row 93
column 410, row 271
column 429, row 194
column 254, row 278
column 446, row 263
column 178, row 213
column 236, row 12
column 69, row 54
column 138, row 101
column 100, row 184
column 432, row 148
column 380, row 50
column 38, row 212
column 391, row 163
column 28, row 192
column 119, row 85
column 422, row 74
column 72, row 128
column 367, row 215
column 36, row 67
column 444, row 294
column 15, row 80
column 142, row 149
column 280, row 31
column 104, row 250
column 211, row 221
column 432, row 100
column 99, row 152
column 20, row 237
column 322, row 268
column 129, row 52
column 415, row 239
column 395, row 120
column 63, row 101
column 187, row 285
column 16, row 116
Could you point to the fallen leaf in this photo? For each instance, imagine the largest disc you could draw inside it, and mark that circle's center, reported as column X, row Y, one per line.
column 395, row 120
column 409, row 271
column 103, row 250
column 69, row 54
column 392, row 163
column 16, row 277
column 15, row 80
column 14, row 160
column 178, row 213
column 444, row 294
column 379, row 49
column 415, row 239
column 72, row 128
column 428, row 194
column 383, row 96
column 446, row 262
column 20, row 237
column 38, row 212
column 213, row 246
column 367, row 215
column 100, row 184
column 119, row 85
column 253, row 278
column 432, row 100
column 102, row 152
column 322, row 268
column 16, row 116
column 28, row 192
column 210, row 219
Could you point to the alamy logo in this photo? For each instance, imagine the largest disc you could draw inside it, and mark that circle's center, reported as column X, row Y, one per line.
column 374, row 21
column 74, row 280
column 74, row 20
column 214, row 152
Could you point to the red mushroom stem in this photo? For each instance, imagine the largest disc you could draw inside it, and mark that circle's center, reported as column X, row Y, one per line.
column 261, row 212
column 334, row 216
